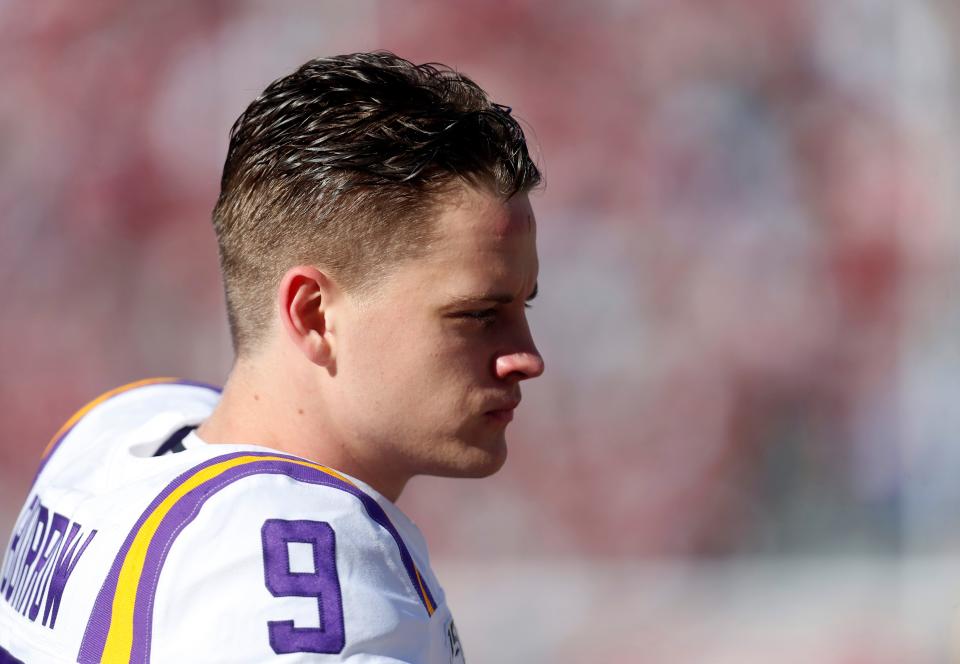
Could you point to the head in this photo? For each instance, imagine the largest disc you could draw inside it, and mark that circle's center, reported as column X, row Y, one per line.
column 374, row 223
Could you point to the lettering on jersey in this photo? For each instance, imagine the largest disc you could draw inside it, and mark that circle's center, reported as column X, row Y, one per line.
column 43, row 553
column 453, row 641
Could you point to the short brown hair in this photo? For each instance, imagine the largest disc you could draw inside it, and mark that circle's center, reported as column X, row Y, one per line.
column 340, row 164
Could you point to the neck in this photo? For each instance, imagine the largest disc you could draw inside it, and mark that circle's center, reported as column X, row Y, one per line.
column 275, row 409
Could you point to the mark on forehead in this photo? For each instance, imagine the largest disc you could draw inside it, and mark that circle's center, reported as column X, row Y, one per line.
column 512, row 224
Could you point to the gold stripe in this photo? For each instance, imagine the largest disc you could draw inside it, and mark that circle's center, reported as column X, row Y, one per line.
column 96, row 402
column 423, row 593
column 119, row 644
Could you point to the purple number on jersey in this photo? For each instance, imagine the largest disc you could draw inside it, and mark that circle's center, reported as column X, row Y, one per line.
column 321, row 584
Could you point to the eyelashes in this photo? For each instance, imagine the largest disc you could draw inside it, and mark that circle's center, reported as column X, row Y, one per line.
column 486, row 317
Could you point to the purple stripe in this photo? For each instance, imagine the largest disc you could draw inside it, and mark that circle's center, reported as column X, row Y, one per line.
column 7, row 658
column 53, row 448
column 179, row 516
column 95, row 636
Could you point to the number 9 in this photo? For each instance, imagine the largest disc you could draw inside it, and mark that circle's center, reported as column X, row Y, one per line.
column 322, row 584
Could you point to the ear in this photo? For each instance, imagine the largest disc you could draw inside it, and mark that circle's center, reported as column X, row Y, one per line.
column 304, row 302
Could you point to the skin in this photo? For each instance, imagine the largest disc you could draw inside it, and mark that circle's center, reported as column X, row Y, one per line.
column 421, row 376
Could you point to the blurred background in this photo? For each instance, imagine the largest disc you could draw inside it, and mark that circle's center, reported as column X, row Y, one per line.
column 745, row 447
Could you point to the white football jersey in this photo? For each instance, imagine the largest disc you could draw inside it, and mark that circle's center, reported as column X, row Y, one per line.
column 214, row 553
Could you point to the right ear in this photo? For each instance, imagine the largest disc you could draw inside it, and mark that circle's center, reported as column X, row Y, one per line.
column 305, row 302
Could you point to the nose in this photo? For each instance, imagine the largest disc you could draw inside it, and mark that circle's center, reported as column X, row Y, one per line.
column 519, row 366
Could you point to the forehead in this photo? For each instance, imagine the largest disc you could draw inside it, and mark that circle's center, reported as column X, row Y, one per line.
column 470, row 212
column 481, row 243
column 475, row 226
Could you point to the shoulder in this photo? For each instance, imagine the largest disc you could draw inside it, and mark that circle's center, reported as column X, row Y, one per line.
column 264, row 554
column 146, row 403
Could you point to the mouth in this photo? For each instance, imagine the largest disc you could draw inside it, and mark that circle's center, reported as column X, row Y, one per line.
column 504, row 413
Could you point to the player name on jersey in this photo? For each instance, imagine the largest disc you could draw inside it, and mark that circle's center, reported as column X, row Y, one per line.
column 43, row 552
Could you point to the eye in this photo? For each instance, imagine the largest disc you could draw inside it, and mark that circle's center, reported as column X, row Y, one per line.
column 485, row 316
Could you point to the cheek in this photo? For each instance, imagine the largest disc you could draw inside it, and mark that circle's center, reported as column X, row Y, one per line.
column 395, row 358
column 375, row 348
column 468, row 354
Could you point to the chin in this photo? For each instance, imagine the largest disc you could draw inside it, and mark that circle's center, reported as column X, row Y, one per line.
column 485, row 467
column 472, row 460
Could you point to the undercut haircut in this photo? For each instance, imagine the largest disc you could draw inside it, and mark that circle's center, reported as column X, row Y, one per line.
column 342, row 165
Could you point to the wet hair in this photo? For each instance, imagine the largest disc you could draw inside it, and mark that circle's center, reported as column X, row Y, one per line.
column 342, row 164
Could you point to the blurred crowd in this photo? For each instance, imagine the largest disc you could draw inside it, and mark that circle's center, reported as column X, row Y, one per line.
column 746, row 240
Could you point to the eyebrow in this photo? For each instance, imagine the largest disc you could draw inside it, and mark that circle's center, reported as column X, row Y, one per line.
column 499, row 298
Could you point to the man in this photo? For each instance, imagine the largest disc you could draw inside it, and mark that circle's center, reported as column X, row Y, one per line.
column 378, row 252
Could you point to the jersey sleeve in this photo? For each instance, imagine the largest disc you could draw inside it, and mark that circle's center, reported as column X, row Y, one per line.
column 265, row 567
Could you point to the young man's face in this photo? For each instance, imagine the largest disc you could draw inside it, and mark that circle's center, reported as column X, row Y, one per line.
column 429, row 366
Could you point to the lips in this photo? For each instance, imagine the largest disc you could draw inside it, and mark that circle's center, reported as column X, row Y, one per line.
column 503, row 412
column 501, row 415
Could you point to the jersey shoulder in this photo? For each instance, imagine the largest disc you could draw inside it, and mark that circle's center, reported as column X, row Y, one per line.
column 149, row 409
column 254, row 554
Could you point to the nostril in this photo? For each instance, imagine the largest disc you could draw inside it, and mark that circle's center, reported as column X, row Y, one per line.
column 524, row 365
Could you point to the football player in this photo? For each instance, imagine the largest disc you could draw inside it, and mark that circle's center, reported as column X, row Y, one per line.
column 378, row 252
